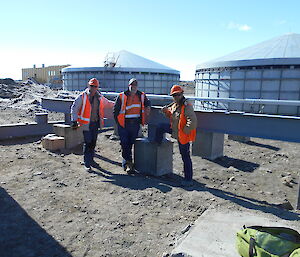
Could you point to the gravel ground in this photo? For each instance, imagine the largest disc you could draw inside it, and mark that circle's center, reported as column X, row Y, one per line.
column 50, row 206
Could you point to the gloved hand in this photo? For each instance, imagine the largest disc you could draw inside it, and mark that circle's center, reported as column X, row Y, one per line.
column 74, row 124
column 164, row 109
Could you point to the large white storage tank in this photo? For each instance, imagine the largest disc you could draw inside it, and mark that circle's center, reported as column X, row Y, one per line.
column 269, row 70
column 118, row 68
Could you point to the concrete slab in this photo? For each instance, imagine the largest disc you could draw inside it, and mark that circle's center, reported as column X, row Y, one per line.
column 214, row 233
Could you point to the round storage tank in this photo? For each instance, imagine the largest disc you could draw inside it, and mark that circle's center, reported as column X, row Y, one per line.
column 269, row 70
column 118, row 69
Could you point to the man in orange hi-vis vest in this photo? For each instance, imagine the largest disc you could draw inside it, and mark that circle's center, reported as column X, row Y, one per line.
column 183, row 123
column 88, row 111
column 131, row 109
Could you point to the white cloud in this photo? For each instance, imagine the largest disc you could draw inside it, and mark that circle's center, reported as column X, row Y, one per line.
column 240, row 27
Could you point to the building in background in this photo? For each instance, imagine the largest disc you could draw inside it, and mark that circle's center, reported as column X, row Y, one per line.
column 51, row 75
column 118, row 68
column 269, row 70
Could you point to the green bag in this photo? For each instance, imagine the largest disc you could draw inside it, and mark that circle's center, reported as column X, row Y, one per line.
column 261, row 241
column 295, row 253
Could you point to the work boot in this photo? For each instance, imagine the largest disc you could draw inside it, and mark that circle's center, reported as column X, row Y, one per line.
column 129, row 168
column 87, row 168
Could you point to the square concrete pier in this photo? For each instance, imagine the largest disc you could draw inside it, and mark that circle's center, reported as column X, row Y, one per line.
column 73, row 137
column 208, row 145
column 153, row 159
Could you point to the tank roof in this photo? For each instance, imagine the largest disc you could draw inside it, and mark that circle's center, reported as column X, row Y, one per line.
column 130, row 60
column 127, row 61
column 282, row 50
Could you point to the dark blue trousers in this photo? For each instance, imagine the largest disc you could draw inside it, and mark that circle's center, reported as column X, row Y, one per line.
column 184, row 150
column 127, row 138
column 90, row 140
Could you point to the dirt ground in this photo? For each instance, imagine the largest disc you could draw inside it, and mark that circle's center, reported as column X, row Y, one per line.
column 50, row 206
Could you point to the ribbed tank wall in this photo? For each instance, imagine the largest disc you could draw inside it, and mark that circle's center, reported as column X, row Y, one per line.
column 154, row 83
column 251, row 83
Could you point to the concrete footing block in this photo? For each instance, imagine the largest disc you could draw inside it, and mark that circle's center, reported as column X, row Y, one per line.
column 53, row 142
column 242, row 139
column 73, row 137
column 153, row 159
column 208, row 145
column 41, row 118
column 67, row 118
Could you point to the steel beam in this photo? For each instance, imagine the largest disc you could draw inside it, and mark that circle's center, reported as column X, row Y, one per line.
column 57, row 105
column 276, row 127
column 285, row 128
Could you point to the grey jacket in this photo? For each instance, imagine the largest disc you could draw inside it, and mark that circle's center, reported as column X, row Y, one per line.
column 78, row 103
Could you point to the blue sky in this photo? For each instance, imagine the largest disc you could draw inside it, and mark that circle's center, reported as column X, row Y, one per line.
column 178, row 34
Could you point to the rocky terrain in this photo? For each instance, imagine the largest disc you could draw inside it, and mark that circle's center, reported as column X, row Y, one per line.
column 50, row 206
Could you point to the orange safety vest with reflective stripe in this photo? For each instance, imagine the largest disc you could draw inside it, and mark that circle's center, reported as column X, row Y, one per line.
column 135, row 110
column 182, row 137
column 84, row 113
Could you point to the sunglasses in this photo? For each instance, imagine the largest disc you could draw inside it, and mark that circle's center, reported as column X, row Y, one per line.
column 93, row 86
column 177, row 94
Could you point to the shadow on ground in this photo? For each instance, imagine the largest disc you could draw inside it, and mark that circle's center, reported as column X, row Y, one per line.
column 241, row 165
column 20, row 235
column 168, row 182
column 21, row 140
column 274, row 148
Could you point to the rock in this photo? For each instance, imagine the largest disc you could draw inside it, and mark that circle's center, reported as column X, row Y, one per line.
column 232, row 179
column 262, row 169
column 35, row 102
column 186, row 229
column 287, row 181
column 285, row 205
column 180, row 255
column 114, row 137
column 61, row 184
column 284, row 155
column 232, row 169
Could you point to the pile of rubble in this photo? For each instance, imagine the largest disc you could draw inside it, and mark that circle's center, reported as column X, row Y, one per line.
column 8, row 89
column 27, row 95
column 23, row 99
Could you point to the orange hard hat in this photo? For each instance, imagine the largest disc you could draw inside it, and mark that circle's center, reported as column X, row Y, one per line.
column 176, row 89
column 94, row 82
